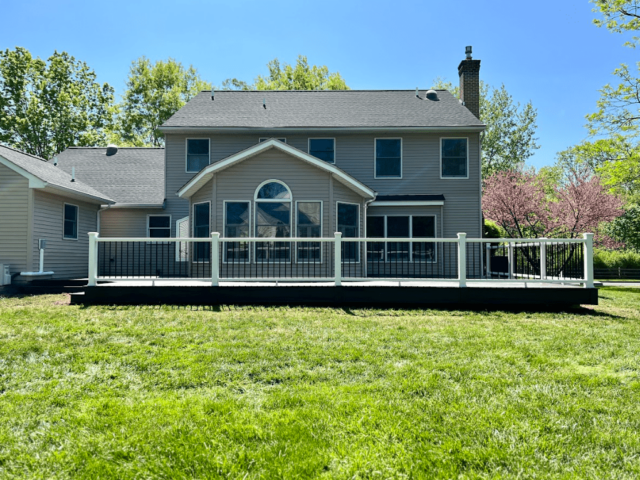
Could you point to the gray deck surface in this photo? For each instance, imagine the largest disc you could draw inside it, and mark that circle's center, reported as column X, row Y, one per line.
column 452, row 284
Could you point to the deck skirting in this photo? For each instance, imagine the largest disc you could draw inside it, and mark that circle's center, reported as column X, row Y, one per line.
column 339, row 296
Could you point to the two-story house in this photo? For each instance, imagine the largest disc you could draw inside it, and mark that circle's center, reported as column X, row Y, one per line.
column 289, row 164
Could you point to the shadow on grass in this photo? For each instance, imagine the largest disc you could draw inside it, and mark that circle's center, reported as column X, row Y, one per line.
column 575, row 310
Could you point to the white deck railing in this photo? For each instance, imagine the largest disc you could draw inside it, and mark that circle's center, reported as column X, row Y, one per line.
column 336, row 259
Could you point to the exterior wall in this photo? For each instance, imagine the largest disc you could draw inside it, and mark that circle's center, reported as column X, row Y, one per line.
column 355, row 155
column 14, row 220
column 66, row 258
column 130, row 222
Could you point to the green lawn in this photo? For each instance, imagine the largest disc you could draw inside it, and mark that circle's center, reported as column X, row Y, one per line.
column 142, row 392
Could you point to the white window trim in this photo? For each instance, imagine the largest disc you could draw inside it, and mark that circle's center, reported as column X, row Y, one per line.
column 158, row 215
column 388, row 239
column 186, row 153
column 224, row 230
column 257, row 200
column 440, row 145
column 193, row 228
column 359, row 229
column 375, row 157
column 323, row 138
column 77, row 222
column 321, row 227
column 264, row 139
column 177, row 222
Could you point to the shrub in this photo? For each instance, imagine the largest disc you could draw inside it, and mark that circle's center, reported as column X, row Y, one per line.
column 616, row 259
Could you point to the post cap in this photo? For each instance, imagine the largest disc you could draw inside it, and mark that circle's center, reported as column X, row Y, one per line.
column 462, row 235
column 215, row 234
column 338, row 234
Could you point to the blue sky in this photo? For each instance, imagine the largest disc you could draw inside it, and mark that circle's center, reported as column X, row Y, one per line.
column 548, row 52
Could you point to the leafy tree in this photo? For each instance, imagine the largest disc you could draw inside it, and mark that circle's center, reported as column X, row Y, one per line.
column 619, row 16
column 302, row 76
column 509, row 139
column 616, row 160
column 626, row 228
column 47, row 106
column 154, row 93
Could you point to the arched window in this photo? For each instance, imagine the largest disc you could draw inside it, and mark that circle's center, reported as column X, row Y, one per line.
column 273, row 220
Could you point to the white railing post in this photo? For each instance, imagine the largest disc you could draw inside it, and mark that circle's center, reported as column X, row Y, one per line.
column 462, row 260
column 337, row 247
column 93, row 258
column 588, row 260
column 543, row 259
column 215, row 258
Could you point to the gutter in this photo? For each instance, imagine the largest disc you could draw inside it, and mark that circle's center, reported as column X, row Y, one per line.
column 462, row 128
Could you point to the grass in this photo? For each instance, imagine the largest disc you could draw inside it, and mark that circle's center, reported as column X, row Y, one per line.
column 141, row 392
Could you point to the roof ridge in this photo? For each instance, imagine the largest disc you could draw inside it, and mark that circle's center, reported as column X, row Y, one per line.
column 119, row 148
column 24, row 153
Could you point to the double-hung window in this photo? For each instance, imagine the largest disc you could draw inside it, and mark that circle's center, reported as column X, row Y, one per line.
column 70, row 227
column 454, row 158
column 349, row 226
column 388, row 161
column 401, row 226
column 309, row 225
column 273, row 220
column 198, row 154
column 236, row 225
column 201, row 229
column 323, row 148
column 159, row 226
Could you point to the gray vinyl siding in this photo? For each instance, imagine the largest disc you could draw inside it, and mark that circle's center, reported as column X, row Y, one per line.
column 355, row 155
column 66, row 258
column 130, row 222
column 14, row 220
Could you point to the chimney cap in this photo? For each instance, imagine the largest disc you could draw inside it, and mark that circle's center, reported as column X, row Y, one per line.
column 111, row 149
column 468, row 50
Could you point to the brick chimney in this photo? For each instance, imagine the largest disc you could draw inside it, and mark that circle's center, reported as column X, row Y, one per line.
column 469, row 71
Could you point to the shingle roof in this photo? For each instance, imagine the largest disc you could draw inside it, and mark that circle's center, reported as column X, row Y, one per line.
column 50, row 174
column 131, row 176
column 323, row 109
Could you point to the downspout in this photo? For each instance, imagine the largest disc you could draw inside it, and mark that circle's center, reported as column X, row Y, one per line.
column 98, row 216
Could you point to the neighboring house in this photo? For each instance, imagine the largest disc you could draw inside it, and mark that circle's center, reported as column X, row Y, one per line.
column 281, row 164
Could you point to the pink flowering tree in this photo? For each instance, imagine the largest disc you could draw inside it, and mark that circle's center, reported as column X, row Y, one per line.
column 519, row 203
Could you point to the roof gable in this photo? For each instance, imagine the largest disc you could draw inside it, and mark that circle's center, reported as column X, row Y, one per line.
column 42, row 174
column 202, row 177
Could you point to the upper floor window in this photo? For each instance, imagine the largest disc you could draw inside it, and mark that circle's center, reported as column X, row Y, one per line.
column 388, row 152
column 283, row 140
column 159, row 226
column 197, row 154
column 70, row 222
column 323, row 148
column 454, row 158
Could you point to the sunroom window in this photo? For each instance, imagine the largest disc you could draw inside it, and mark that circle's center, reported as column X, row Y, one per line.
column 201, row 229
column 309, row 225
column 236, row 226
column 273, row 220
column 349, row 226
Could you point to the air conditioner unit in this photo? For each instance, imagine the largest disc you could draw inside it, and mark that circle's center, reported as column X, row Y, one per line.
column 5, row 274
